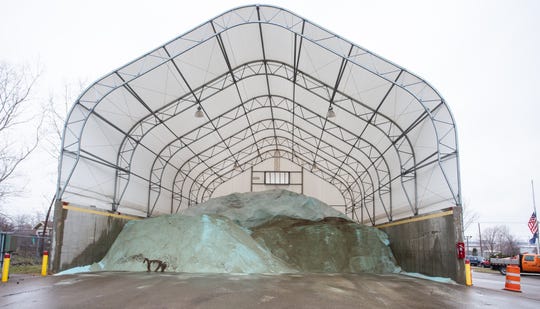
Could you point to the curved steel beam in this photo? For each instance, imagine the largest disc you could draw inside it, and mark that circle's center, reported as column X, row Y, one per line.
column 297, row 158
column 192, row 165
column 301, row 152
column 306, row 80
column 269, row 153
column 371, row 153
column 444, row 131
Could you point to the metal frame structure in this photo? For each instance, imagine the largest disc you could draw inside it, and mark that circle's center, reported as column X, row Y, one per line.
column 263, row 82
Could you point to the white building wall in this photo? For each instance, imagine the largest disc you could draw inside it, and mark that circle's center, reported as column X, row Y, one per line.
column 311, row 185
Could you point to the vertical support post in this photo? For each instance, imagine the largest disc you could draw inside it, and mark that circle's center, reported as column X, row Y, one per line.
column 361, row 212
column 459, row 266
column 5, row 267
column 468, row 276
column 480, row 236
column 534, row 208
column 302, row 180
column 3, row 237
column 45, row 263
column 251, row 179
column 58, row 234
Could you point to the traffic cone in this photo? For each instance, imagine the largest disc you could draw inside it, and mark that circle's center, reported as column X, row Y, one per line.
column 513, row 279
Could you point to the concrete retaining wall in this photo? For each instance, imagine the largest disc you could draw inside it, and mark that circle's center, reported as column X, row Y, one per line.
column 82, row 238
column 427, row 244
column 424, row 244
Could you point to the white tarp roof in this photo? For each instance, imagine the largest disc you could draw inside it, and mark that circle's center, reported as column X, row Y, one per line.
column 264, row 79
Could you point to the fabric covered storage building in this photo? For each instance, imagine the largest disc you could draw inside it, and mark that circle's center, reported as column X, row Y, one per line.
column 260, row 88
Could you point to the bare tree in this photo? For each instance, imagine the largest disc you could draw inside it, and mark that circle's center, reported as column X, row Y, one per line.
column 497, row 239
column 56, row 113
column 23, row 222
column 6, row 224
column 16, row 85
column 469, row 216
column 507, row 242
column 501, row 237
column 490, row 237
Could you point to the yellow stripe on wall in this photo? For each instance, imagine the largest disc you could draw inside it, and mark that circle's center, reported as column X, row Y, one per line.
column 415, row 219
column 100, row 213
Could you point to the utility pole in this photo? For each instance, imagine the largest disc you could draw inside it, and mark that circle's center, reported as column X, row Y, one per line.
column 467, row 238
column 480, row 236
column 534, row 208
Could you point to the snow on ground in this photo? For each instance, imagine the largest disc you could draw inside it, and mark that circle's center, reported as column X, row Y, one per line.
column 275, row 231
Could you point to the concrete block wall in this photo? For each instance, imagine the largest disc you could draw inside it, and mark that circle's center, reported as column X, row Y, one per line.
column 427, row 244
column 82, row 238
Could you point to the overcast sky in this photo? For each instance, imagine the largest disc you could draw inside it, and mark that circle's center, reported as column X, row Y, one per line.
column 482, row 56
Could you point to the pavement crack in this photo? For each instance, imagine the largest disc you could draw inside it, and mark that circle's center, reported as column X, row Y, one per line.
column 25, row 292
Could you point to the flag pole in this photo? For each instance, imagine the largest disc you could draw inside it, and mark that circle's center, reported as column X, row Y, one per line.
column 537, row 231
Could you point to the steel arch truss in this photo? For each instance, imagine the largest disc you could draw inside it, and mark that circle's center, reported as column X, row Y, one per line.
column 392, row 150
column 399, row 141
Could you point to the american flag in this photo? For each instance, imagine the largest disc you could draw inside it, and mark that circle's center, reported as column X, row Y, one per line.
column 532, row 223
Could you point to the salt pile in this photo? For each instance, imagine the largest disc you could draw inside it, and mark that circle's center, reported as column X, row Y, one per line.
column 255, row 208
column 203, row 243
column 275, row 231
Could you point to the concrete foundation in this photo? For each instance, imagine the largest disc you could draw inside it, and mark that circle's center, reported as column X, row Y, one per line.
column 82, row 238
column 427, row 244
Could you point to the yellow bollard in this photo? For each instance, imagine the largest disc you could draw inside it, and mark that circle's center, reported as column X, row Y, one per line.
column 5, row 268
column 468, row 277
column 45, row 263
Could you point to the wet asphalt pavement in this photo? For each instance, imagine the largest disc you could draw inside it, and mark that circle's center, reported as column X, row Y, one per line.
column 181, row 290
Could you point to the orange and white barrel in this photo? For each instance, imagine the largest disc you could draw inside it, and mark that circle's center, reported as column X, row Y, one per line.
column 513, row 279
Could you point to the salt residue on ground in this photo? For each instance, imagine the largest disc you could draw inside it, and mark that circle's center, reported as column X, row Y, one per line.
column 74, row 270
column 435, row 279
